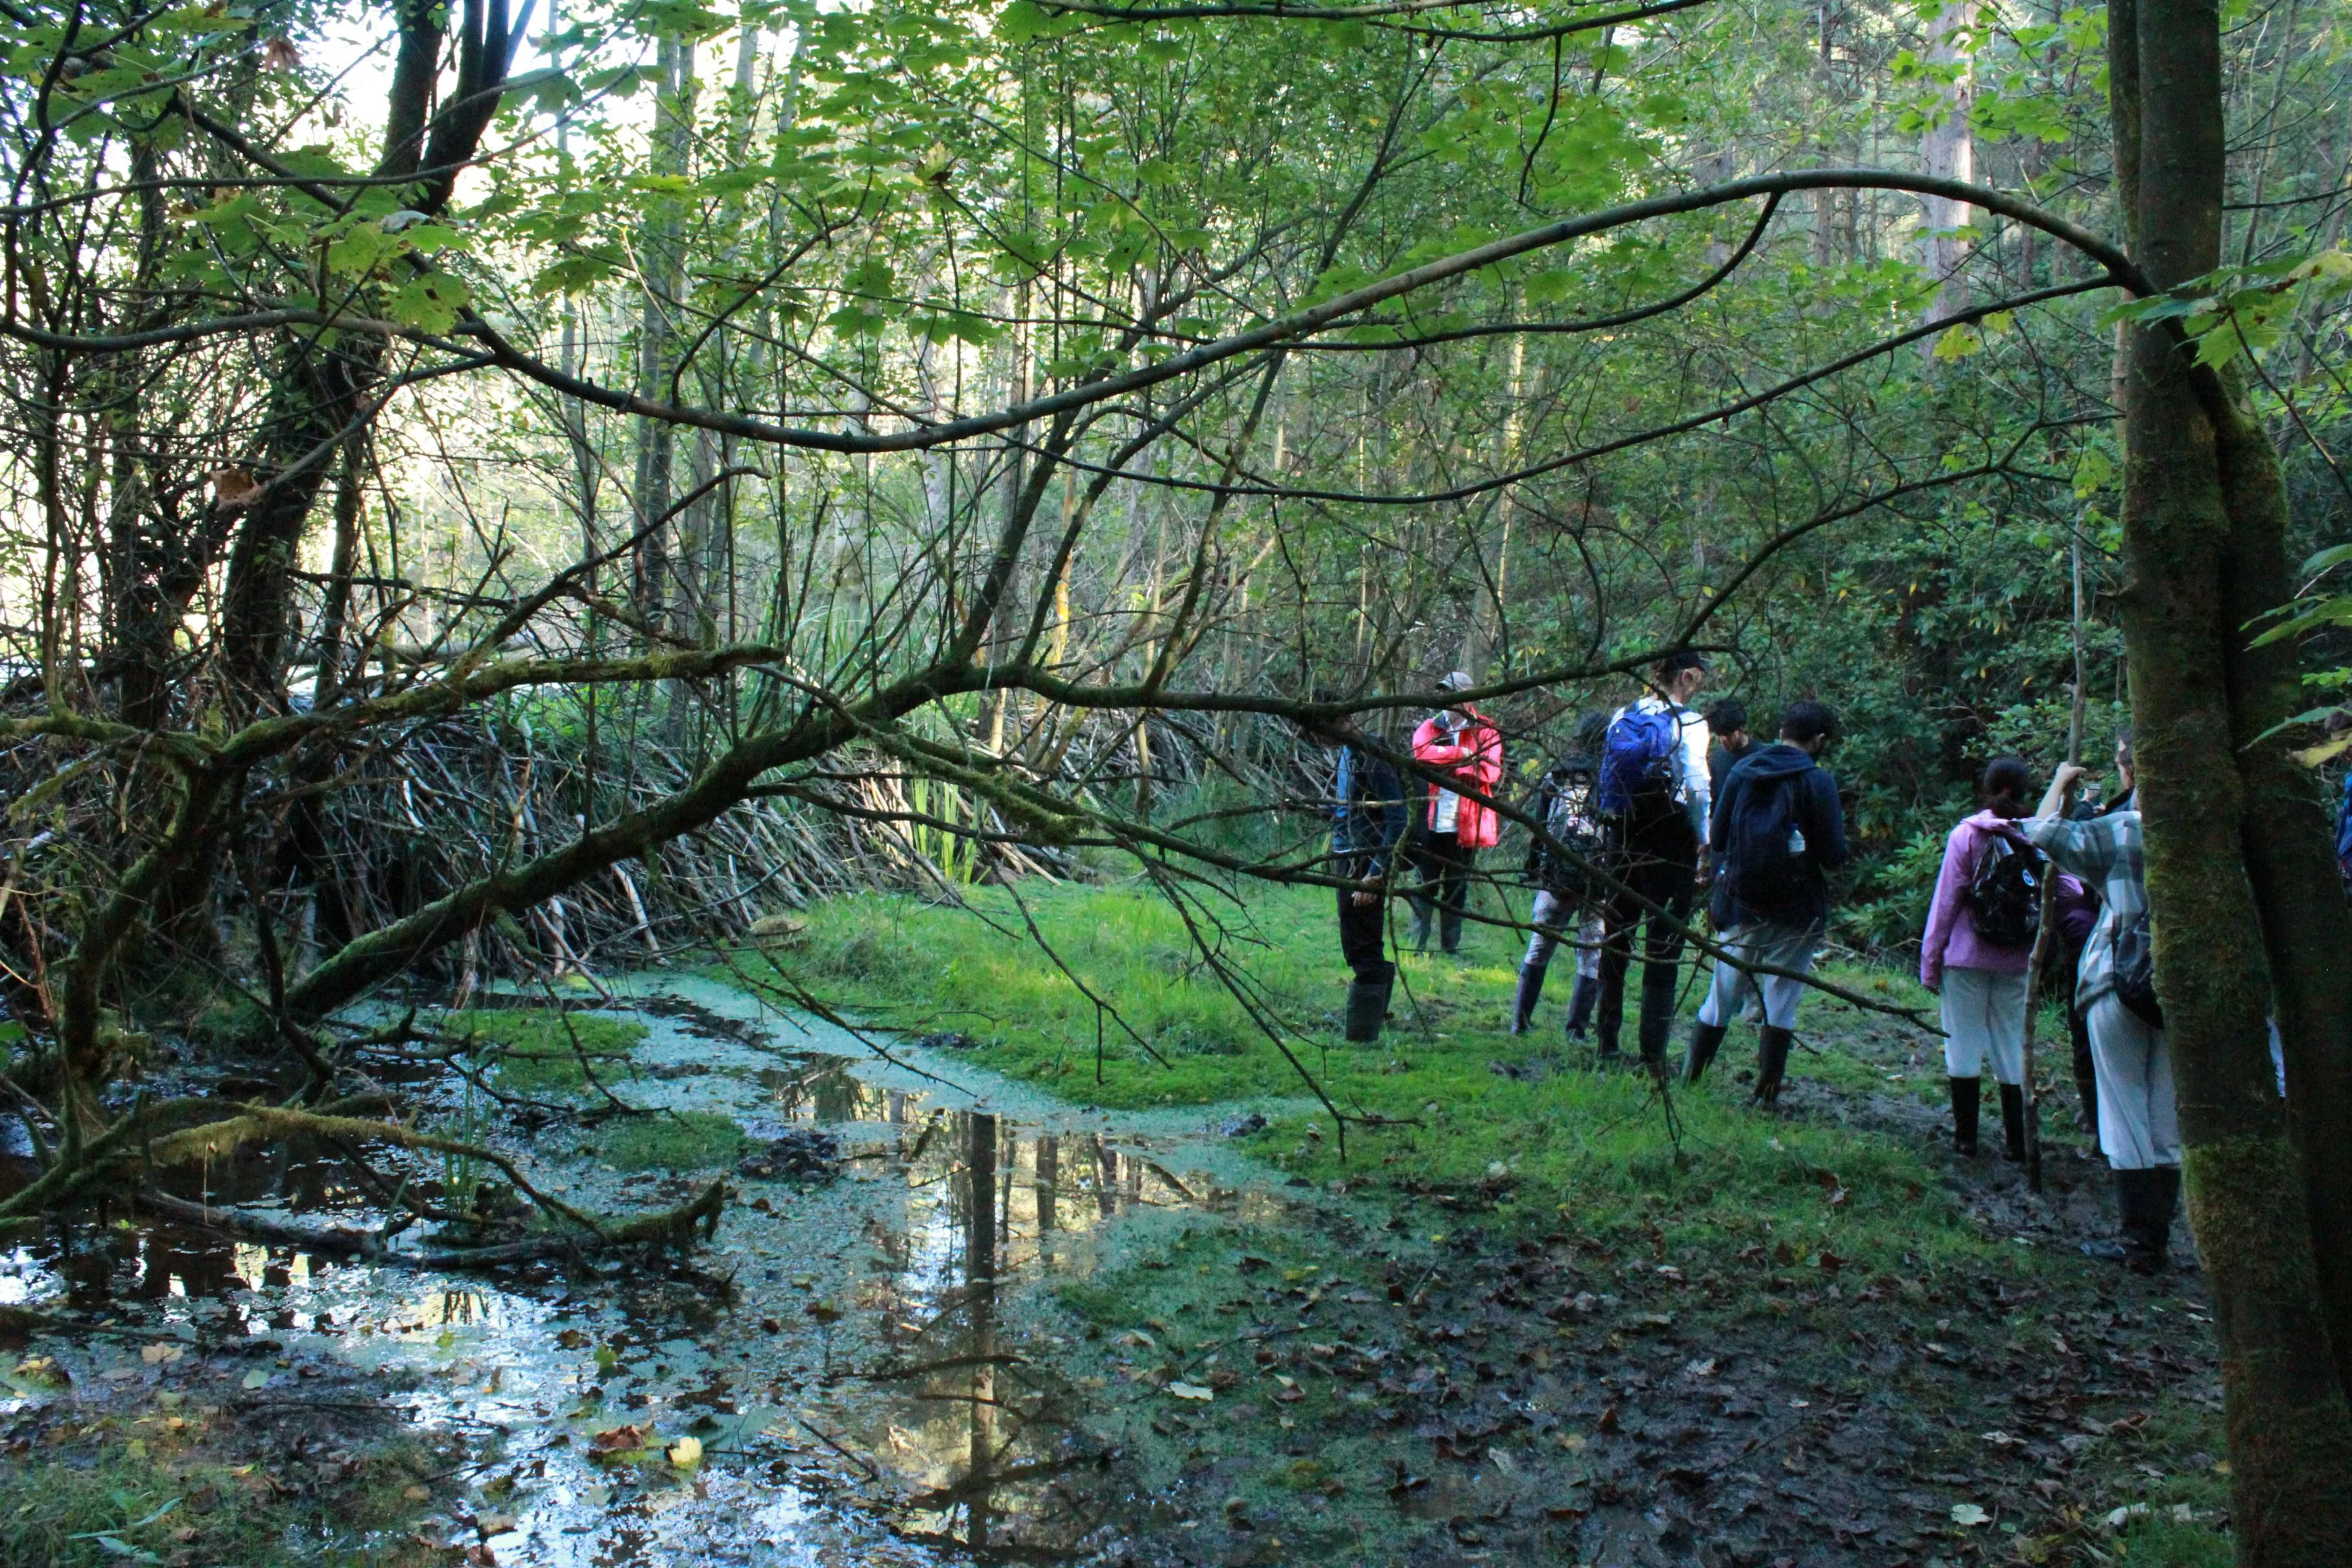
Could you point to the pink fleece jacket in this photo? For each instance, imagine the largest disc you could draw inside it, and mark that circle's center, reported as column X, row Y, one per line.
column 1952, row 941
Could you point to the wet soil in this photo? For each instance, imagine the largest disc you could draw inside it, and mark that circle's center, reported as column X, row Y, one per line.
column 1012, row 1328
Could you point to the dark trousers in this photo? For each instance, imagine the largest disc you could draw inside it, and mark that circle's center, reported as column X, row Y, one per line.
column 1659, row 863
column 1442, row 877
column 1363, row 936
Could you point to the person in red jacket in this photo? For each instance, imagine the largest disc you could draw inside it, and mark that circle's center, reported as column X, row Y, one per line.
column 1457, row 740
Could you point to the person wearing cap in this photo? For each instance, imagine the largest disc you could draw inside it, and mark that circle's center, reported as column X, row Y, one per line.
column 1459, row 742
column 1655, row 795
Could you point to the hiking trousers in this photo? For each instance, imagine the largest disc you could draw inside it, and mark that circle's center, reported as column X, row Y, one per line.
column 2139, row 1127
column 1984, row 1016
column 1761, row 942
column 1443, row 868
column 1662, row 866
column 1551, row 919
column 1364, row 934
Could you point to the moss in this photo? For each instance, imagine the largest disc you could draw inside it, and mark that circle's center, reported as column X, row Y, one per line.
column 132, row 1506
column 680, row 1141
column 548, row 1050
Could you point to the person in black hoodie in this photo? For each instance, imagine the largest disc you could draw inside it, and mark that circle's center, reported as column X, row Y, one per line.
column 1776, row 831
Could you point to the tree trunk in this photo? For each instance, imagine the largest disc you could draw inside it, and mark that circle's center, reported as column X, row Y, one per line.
column 1947, row 150
column 2290, row 1429
column 2289, row 853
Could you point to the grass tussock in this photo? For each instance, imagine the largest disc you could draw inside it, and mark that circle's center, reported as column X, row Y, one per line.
column 542, row 1050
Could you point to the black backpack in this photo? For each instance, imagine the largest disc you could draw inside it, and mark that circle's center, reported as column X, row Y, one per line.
column 2135, row 959
column 2004, row 896
column 1765, row 872
column 1572, row 821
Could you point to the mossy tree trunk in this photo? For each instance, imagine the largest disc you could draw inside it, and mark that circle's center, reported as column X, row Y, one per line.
column 2195, row 688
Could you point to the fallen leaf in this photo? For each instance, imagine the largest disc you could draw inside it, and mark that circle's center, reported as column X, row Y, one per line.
column 256, row 1379
column 686, row 1453
column 1967, row 1515
column 1191, row 1391
column 620, row 1439
column 160, row 1354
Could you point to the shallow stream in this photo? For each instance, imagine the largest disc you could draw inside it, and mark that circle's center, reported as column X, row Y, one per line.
column 864, row 1363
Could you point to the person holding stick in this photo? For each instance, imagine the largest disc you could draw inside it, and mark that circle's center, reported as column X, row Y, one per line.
column 2139, row 1125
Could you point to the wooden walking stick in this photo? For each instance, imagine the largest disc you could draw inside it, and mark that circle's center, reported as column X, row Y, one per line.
column 2046, row 933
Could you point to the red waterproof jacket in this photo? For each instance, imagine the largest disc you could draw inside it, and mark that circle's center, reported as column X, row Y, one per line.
column 1475, row 757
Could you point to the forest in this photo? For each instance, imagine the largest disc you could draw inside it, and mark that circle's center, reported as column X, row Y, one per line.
column 790, row 782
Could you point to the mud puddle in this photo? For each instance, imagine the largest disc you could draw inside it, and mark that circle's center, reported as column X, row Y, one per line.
column 854, row 1372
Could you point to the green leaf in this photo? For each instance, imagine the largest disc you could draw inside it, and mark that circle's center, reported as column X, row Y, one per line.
column 430, row 303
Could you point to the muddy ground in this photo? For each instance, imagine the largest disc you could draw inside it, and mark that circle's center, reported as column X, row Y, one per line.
column 1004, row 1327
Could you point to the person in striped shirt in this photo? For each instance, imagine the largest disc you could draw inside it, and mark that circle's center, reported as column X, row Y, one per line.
column 2139, row 1127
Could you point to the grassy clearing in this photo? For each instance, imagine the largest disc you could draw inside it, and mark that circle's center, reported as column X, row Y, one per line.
column 672, row 1141
column 1817, row 1238
column 545, row 1051
column 1468, row 1116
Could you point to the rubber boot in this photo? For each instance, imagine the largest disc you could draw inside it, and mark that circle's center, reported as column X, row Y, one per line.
column 1449, row 930
column 1368, row 1006
column 2131, row 1193
column 1657, row 1021
column 1579, row 1006
column 2151, row 1243
column 1523, row 1007
column 1772, row 1064
column 1964, row 1116
column 1706, row 1038
column 2012, row 1120
column 1419, row 934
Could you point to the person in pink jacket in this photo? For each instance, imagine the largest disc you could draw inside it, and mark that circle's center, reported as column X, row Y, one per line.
column 1980, row 974
column 1458, row 741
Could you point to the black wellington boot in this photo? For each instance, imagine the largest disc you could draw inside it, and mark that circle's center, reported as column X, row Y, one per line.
column 2131, row 1205
column 2151, row 1242
column 1449, row 931
column 1368, row 1005
column 2012, row 1120
column 1706, row 1038
column 1579, row 1006
column 1964, row 1116
column 1772, row 1064
column 1522, row 1008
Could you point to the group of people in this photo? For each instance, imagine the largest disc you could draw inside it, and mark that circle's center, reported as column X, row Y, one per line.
column 1657, row 804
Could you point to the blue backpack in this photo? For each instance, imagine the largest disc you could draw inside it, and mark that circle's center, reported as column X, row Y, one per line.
column 1637, row 759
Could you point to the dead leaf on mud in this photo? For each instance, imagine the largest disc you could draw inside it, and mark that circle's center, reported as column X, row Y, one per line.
column 620, row 1440
column 1191, row 1391
column 1608, row 1422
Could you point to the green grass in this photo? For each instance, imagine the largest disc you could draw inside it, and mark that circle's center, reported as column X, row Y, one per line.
column 126, row 1507
column 1566, row 1148
column 549, row 1050
column 673, row 1141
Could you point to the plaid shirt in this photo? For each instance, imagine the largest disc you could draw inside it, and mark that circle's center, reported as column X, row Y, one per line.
column 2105, row 852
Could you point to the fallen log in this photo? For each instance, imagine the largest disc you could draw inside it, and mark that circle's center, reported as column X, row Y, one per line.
column 664, row 1228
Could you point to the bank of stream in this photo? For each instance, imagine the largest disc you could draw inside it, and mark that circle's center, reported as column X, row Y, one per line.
column 946, row 1317
column 853, row 1369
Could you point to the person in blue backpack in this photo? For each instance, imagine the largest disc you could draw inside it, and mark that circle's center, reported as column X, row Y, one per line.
column 1653, row 796
column 1775, row 833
